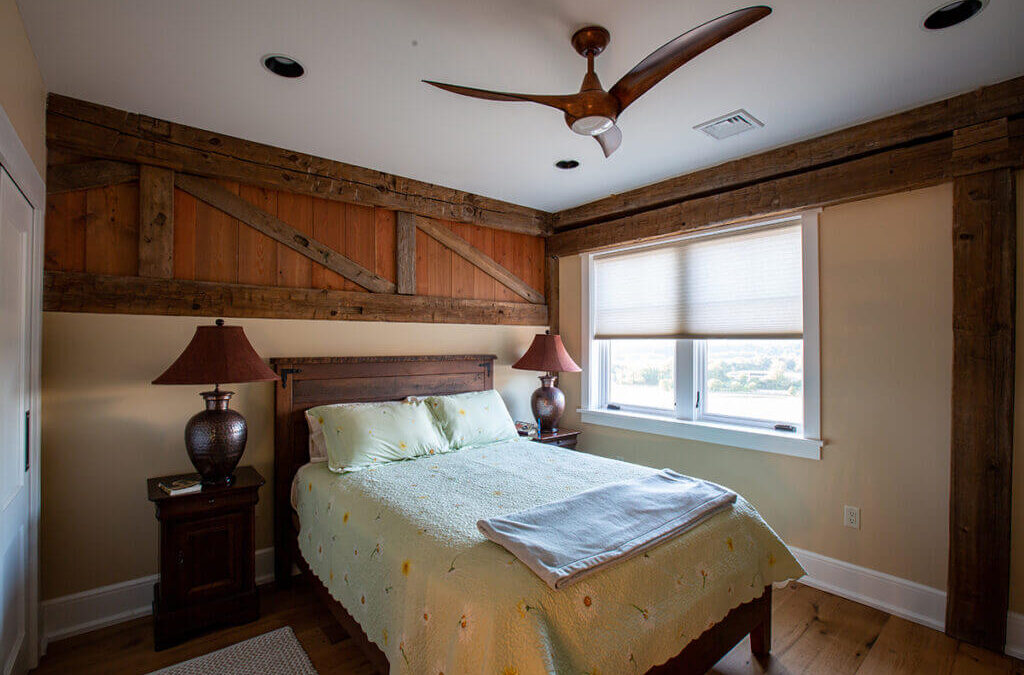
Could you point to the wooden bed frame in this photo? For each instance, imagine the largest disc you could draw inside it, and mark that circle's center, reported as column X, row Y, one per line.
column 307, row 382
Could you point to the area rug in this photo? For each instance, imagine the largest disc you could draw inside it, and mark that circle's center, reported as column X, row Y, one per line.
column 275, row 653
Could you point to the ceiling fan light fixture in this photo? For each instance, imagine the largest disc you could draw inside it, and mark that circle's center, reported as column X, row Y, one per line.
column 592, row 125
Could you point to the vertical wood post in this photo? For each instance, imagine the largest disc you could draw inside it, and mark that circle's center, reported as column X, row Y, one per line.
column 984, row 289
column 156, row 222
column 405, row 253
column 551, row 291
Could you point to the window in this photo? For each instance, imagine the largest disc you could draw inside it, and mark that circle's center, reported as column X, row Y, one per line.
column 712, row 337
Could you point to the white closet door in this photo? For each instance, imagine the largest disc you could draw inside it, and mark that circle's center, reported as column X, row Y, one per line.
column 15, row 228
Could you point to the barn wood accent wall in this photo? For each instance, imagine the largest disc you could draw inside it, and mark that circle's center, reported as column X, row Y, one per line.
column 129, row 231
column 984, row 287
column 479, row 259
column 98, row 131
column 281, row 232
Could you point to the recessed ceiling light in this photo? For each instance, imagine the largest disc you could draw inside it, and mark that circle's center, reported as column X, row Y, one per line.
column 953, row 13
column 567, row 164
column 282, row 65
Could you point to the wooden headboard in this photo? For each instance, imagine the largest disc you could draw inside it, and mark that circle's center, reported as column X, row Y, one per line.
column 307, row 382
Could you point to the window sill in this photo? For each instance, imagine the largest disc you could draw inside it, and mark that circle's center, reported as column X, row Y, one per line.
column 765, row 440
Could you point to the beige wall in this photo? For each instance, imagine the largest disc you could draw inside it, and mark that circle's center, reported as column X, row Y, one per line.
column 105, row 429
column 886, row 338
column 22, row 93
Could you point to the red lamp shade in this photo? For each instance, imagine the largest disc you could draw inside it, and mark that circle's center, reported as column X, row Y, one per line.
column 217, row 355
column 547, row 353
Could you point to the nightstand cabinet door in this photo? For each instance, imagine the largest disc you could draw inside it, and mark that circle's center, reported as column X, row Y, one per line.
column 206, row 558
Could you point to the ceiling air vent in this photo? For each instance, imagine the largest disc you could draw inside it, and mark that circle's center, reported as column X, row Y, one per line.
column 729, row 125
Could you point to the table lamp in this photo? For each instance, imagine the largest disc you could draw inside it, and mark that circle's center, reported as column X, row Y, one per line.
column 215, row 437
column 547, row 353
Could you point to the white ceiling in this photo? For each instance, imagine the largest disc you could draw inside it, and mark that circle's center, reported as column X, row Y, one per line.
column 811, row 67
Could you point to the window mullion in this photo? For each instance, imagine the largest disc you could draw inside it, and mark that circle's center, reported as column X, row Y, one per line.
column 684, row 379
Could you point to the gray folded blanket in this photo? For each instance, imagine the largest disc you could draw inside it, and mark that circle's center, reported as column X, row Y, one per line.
column 564, row 541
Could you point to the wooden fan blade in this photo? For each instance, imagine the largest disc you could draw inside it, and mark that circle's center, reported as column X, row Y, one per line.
column 555, row 101
column 610, row 140
column 673, row 54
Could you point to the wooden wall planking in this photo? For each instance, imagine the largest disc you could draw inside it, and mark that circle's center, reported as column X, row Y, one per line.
column 384, row 253
column 294, row 269
column 185, row 212
column 360, row 238
column 96, row 230
column 257, row 253
column 112, row 230
column 65, row 232
column 216, row 243
column 329, row 229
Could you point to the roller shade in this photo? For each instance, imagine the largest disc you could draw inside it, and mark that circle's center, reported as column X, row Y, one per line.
column 744, row 284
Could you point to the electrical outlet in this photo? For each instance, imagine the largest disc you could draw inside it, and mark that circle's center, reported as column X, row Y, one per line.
column 851, row 516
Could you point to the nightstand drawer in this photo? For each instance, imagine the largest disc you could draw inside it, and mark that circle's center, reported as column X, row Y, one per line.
column 563, row 438
column 205, row 503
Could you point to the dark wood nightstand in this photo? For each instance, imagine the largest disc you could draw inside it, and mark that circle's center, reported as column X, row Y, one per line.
column 565, row 438
column 207, row 557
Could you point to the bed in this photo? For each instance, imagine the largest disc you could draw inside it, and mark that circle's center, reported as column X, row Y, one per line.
column 394, row 554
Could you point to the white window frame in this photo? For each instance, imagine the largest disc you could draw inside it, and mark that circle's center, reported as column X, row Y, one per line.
column 683, row 422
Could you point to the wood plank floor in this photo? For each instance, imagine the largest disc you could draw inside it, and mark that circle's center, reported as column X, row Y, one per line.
column 813, row 632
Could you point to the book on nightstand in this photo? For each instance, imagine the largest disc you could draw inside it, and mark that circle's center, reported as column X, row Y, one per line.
column 181, row 486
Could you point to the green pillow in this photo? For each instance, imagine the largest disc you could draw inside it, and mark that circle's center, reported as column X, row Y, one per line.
column 359, row 435
column 473, row 418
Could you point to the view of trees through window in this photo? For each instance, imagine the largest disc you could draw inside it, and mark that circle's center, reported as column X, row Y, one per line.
column 642, row 373
column 757, row 379
column 753, row 379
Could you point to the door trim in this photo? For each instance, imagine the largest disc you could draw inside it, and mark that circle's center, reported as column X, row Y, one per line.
column 19, row 165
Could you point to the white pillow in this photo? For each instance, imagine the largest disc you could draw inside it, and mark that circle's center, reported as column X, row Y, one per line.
column 358, row 435
column 317, row 446
column 473, row 418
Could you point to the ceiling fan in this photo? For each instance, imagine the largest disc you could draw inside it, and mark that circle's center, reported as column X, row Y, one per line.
column 593, row 111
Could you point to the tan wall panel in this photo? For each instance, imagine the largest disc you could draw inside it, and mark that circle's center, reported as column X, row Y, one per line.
column 22, row 93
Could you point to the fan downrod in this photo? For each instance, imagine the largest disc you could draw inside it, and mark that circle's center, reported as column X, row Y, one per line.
column 590, row 40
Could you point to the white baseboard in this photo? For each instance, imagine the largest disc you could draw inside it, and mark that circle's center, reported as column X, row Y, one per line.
column 906, row 599
column 1015, row 635
column 100, row 607
column 108, row 605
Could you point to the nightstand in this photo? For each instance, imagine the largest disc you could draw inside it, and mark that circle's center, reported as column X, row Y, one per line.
column 565, row 438
column 207, row 557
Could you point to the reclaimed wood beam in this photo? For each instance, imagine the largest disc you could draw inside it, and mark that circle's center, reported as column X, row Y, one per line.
column 980, row 505
column 280, row 231
column 884, row 173
column 82, row 292
column 552, row 291
column 100, row 131
column 477, row 257
column 405, row 253
column 62, row 178
column 156, row 222
column 922, row 124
